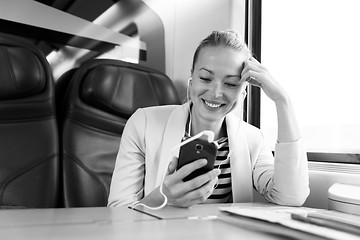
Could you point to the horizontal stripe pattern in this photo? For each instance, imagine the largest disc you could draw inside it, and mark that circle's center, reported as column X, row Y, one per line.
column 222, row 191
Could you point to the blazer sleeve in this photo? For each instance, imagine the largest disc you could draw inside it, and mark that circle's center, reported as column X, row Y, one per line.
column 128, row 176
column 285, row 180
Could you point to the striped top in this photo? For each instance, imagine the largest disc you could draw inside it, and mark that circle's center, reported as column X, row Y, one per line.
column 222, row 192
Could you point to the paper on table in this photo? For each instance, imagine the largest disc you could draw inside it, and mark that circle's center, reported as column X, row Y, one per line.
column 282, row 215
column 350, row 219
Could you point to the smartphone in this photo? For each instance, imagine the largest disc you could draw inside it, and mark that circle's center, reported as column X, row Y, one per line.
column 194, row 150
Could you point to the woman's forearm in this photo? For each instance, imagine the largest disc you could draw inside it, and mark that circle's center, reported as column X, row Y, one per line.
column 288, row 128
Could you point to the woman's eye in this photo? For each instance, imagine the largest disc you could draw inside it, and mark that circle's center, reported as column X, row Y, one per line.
column 231, row 85
column 205, row 79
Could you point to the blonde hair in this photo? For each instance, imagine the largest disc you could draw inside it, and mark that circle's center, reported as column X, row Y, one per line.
column 227, row 38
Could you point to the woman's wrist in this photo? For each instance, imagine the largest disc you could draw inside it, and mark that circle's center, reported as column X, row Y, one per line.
column 282, row 100
column 288, row 129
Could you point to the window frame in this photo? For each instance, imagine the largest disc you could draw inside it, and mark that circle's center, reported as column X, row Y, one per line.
column 253, row 18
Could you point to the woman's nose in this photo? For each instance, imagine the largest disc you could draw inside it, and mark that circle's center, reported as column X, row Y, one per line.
column 217, row 89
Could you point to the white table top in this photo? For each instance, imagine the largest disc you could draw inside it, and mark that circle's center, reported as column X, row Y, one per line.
column 198, row 222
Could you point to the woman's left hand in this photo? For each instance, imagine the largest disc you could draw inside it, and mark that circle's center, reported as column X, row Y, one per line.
column 256, row 74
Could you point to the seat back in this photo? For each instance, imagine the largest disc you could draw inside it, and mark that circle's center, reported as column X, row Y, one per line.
column 102, row 95
column 29, row 146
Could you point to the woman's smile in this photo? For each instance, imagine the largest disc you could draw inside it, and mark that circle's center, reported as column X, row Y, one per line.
column 212, row 105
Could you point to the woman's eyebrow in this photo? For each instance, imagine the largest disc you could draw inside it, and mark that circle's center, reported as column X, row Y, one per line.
column 207, row 70
column 233, row 76
column 227, row 76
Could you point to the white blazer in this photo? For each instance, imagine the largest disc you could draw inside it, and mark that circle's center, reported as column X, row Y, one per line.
column 151, row 133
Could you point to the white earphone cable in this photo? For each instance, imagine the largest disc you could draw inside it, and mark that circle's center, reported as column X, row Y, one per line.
column 210, row 137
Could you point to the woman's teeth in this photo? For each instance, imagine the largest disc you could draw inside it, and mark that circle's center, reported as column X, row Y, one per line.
column 213, row 105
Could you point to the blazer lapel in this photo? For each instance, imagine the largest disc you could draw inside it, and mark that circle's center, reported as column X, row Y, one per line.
column 241, row 172
column 174, row 132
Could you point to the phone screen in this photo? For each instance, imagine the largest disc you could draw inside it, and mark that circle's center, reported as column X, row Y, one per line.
column 194, row 150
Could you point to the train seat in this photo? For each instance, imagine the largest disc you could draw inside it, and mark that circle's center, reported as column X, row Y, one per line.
column 102, row 95
column 29, row 145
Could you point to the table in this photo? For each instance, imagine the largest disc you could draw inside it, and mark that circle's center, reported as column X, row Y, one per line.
column 197, row 222
column 117, row 223
column 67, row 216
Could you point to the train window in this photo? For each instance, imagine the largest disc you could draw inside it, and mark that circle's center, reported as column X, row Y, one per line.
column 311, row 47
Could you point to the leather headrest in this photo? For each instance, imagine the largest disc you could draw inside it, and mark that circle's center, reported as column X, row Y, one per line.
column 21, row 73
column 119, row 90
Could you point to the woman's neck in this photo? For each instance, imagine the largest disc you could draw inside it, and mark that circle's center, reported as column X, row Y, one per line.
column 198, row 126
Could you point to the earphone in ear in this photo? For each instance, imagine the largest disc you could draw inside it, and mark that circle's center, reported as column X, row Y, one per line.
column 188, row 90
column 189, row 81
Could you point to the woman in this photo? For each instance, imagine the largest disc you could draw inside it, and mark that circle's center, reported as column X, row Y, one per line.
column 222, row 68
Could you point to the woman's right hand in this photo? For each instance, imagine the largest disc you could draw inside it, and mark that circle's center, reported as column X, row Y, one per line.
column 194, row 191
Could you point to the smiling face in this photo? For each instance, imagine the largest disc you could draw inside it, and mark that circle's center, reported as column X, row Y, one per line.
column 215, row 85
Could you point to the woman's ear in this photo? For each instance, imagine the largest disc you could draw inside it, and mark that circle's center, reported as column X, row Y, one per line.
column 243, row 90
column 243, row 94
